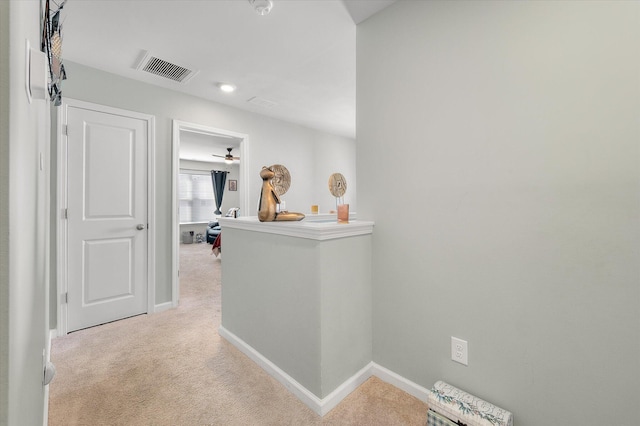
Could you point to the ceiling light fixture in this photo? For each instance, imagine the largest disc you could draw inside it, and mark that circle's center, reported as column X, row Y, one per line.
column 262, row 7
column 226, row 87
column 228, row 158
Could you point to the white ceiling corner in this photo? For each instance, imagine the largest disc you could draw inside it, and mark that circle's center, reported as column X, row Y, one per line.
column 361, row 10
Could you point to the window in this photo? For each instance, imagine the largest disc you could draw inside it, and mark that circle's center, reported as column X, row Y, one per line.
column 195, row 192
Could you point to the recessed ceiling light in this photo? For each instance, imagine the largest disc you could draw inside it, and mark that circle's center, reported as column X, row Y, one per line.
column 227, row 87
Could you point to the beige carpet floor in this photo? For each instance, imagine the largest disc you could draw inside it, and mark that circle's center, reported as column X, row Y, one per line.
column 172, row 368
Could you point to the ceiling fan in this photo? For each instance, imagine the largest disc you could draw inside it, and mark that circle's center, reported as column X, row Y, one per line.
column 227, row 158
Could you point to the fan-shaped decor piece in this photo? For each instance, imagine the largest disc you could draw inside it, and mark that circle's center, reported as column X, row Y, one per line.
column 281, row 180
column 337, row 185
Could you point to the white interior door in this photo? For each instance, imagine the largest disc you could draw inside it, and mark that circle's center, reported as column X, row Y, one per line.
column 107, row 227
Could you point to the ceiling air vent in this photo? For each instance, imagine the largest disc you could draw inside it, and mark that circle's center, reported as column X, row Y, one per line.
column 262, row 102
column 166, row 69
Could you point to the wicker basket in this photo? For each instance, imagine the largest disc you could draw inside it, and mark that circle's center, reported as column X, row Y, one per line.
column 459, row 406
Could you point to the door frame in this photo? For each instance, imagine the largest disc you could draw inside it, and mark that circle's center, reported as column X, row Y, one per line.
column 243, row 186
column 62, row 204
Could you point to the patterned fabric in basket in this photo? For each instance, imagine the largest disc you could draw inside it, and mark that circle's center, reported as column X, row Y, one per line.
column 435, row 419
column 460, row 406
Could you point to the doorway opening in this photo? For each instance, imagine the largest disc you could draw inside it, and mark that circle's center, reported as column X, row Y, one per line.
column 197, row 149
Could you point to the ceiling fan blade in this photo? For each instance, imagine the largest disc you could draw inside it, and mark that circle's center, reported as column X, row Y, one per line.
column 228, row 157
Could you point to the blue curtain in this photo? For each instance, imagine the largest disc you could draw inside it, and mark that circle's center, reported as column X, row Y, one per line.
column 218, row 178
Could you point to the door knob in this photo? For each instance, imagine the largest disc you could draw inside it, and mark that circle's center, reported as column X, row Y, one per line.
column 140, row 227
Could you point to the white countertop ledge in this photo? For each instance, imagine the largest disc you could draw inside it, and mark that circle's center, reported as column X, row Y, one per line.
column 312, row 227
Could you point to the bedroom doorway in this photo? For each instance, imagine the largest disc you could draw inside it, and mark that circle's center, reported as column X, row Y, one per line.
column 197, row 149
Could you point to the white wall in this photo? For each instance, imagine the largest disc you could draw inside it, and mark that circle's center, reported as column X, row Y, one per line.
column 5, row 104
column 271, row 142
column 313, row 319
column 23, row 218
column 334, row 156
column 512, row 218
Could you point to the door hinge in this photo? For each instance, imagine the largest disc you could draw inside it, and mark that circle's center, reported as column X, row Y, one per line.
column 65, row 298
column 65, row 130
column 65, row 213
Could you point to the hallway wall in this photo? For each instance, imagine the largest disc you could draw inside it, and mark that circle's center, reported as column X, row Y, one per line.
column 510, row 219
column 24, row 180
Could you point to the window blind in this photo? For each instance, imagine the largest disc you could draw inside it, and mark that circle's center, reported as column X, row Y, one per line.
column 195, row 192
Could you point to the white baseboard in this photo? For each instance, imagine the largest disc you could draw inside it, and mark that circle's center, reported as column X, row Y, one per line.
column 289, row 382
column 400, row 382
column 326, row 404
column 319, row 406
column 53, row 333
column 330, row 401
column 162, row 307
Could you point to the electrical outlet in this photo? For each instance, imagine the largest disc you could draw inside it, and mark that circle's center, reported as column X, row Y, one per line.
column 459, row 351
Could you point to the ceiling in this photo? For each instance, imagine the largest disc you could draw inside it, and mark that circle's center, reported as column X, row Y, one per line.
column 297, row 62
column 202, row 147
